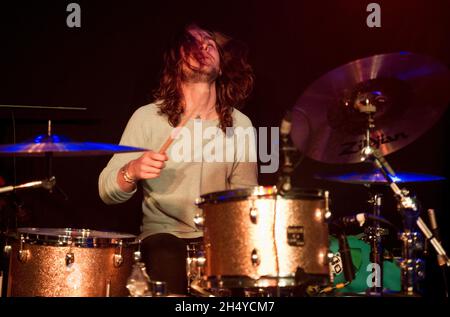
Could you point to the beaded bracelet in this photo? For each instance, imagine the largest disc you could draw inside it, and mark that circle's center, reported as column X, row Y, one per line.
column 126, row 176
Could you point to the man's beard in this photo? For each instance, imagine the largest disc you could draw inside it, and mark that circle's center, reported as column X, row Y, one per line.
column 190, row 75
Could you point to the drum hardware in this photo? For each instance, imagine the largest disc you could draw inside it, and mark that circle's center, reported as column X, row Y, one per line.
column 195, row 263
column 137, row 255
column 434, row 242
column 108, row 288
column 23, row 254
column 254, row 214
column 288, row 152
column 158, row 288
column 440, row 258
column 411, row 265
column 138, row 283
column 68, row 262
column 199, row 221
column 70, row 256
column 266, row 249
column 118, row 258
column 70, row 259
column 374, row 234
column 345, row 103
column 7, row 250
column 255, row 258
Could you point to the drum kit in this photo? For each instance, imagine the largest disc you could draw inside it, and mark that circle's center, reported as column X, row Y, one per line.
column 268, row 240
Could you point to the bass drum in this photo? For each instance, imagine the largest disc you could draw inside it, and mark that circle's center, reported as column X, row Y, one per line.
column 51, row 262
column 360, row 253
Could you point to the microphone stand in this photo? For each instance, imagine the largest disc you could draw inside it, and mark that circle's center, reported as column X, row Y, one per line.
column 284, row 184
column 45, row 183
column 440, row 259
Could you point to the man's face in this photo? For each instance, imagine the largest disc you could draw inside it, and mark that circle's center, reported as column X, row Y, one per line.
column 205, row 66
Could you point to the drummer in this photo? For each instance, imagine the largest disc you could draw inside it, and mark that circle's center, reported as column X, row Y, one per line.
column 206, row 74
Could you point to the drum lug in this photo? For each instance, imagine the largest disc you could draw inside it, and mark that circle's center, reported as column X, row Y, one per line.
column 118, row 258
column 70, row 258
column 255, row 257
column 327, row 214
column 137, row 256
column 254, row 214
column 199, row 201
column 199, row 221
column 7, row 250
column 23, row 254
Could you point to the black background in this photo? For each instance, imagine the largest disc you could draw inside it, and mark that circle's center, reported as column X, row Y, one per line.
column 112, row 63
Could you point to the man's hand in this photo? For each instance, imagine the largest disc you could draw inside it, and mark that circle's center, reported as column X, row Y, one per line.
column 148, row 166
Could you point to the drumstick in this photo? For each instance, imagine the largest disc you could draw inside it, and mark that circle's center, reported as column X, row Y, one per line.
column 174, row 133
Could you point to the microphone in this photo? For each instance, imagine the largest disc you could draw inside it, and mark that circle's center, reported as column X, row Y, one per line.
column 434, row 242
column 346, row 256
column 361, row 218
column 287, row 167
column 435, row 231
column 48, row 184
column 433, row 224
column 441, row 259
column 358, row 219
column 286, row 124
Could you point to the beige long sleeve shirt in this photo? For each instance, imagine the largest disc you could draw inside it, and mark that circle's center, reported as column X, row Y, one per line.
column 196, row 166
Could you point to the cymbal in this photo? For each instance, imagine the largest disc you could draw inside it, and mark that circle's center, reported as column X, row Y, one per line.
column 61, row 146
column 409, row 91
column 376, row 177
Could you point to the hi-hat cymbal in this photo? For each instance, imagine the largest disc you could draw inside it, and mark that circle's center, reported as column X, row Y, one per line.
column 410, row 93
column 376, row 177
column 61, row 146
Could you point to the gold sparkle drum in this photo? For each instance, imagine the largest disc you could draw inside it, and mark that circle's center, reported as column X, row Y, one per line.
column 258, row 238
column 70, row 262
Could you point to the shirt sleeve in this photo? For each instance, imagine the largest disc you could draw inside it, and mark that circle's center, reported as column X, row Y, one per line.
column 135, row 134
column 245, row 168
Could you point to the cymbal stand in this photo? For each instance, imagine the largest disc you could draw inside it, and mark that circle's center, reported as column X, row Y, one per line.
column 375, row 234
column 375, row 231
column 412, row 267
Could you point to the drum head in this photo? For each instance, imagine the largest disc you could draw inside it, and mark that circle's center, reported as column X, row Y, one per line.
column 78, row 237
column 258, row 192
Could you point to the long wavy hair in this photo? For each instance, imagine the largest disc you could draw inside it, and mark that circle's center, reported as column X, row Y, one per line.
column 233, row 84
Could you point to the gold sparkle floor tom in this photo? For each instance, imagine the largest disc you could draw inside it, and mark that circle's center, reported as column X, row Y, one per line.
column 50, row 262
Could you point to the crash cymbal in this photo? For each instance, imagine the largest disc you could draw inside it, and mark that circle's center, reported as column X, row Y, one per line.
column 376, row 177
column 61, row 146
column 410, row 93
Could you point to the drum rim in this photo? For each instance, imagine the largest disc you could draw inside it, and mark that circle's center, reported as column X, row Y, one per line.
column 258, row 192
column 87, row 239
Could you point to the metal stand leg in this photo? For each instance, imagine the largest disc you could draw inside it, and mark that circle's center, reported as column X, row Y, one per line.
column 375, row 235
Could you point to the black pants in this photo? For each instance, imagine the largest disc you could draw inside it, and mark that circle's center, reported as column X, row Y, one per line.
column 164, row 256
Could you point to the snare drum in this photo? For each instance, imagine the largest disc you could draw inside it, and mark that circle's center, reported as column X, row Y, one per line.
column 70, row 262
column 258, row 238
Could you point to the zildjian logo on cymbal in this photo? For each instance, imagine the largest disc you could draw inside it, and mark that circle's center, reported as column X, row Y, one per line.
column 356, row 146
